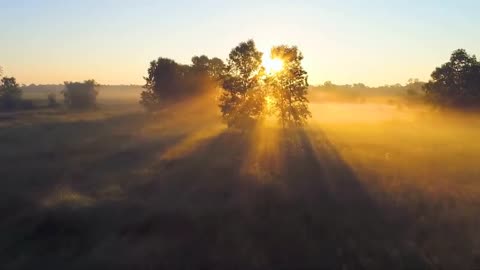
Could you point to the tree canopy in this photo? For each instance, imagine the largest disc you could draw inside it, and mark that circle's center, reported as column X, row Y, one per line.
column 242, row 100
column 289, row 87
column 168, row 81
column 457, row 82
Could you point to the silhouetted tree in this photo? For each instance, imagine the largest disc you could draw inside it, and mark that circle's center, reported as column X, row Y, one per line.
column 10, row 94
column 456, row 83
column 242, row 100
column 164, row 82
column 81, row 95
column 169, row 81
column 289, row 87
column 214, row 68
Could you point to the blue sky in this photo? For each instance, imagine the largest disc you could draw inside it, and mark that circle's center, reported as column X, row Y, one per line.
column 375, row 42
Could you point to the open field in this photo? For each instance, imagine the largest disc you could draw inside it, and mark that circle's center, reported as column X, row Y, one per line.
column 364, row 186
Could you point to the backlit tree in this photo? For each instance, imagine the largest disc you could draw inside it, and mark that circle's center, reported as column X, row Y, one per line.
column 288, row 87
column 242, row 101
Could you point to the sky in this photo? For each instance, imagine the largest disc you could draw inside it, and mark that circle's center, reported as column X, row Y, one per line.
column 112, row 41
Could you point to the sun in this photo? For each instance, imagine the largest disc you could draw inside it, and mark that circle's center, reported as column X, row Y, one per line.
column 271, row 65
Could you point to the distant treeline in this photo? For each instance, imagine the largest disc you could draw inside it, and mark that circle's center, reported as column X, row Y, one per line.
column 360, row 92
column 455, row 84
column 39, row 88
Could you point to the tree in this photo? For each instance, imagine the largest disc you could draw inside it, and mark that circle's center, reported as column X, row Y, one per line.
column 242, row 100
column 457, row 82
column 168, row 81
column 289, row 87
column 81, row 95
column 10, row 94
column 163, row 83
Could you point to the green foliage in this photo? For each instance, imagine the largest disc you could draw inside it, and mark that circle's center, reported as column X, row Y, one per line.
column 168, row 81
column 80, row 95
column 456, row 83
column 10, row 94
column 289, row 87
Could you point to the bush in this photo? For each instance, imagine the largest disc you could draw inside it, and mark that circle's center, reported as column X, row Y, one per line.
column 80, row 95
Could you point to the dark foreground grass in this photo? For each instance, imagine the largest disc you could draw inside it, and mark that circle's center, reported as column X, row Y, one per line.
column 178, row 192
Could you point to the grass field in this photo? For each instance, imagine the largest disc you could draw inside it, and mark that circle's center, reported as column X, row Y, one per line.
column 364, row 186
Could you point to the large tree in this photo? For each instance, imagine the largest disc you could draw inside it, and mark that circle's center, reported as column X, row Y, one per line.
column 242, row 100
column 288, row 87
column 457, row 82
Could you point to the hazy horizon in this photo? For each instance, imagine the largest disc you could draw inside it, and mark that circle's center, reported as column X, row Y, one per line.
column 48, row 42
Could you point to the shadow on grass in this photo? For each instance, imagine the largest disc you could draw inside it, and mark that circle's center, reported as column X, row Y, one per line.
column 203, row 211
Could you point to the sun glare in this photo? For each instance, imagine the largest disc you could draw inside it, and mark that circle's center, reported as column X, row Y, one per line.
column 270, row 102
column 271, row 65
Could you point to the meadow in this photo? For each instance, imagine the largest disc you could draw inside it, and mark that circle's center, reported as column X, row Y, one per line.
column 376, row 184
